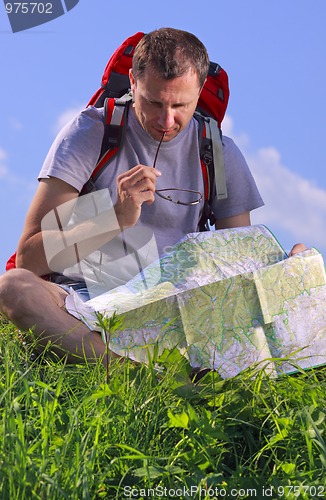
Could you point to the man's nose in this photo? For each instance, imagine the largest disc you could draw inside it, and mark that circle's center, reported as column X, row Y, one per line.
column 166, row 119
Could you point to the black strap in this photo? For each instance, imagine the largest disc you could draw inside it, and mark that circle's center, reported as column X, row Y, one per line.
column 206, row 156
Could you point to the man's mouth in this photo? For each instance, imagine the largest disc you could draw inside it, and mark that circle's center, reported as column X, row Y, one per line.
column 164, row 131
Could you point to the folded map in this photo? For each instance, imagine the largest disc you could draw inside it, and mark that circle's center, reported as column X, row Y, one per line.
column 226, row 299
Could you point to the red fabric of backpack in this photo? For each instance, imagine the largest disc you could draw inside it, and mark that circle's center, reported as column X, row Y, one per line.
column 11, row 263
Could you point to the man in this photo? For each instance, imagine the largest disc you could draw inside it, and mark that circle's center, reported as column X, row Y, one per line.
column 169, row 70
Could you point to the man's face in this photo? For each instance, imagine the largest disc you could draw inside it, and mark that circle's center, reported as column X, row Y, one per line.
column 164, row 105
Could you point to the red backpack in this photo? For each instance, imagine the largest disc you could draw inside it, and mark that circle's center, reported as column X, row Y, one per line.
column 114, row 96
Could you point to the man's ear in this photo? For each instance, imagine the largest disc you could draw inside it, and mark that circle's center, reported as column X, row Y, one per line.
column 132, row 80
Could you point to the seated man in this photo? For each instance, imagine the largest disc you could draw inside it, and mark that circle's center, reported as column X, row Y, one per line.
column 169, row 70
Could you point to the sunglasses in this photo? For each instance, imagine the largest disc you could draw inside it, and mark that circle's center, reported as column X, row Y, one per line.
column 179, row 196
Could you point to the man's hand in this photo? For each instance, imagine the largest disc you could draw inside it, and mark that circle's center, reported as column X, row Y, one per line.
column 135, row 187
column 299, row 247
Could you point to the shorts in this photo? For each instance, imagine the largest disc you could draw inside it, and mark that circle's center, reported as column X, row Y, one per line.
column 66, row 283
column 79, row 287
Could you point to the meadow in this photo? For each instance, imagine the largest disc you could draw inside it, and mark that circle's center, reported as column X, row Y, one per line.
column 84, row 432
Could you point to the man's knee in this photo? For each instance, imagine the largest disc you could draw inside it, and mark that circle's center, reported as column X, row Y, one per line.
column 13, row 283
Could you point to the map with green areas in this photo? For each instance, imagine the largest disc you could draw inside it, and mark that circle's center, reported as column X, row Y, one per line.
column 226, row 299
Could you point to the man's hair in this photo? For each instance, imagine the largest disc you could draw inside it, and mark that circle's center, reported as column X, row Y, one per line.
column 170, row 53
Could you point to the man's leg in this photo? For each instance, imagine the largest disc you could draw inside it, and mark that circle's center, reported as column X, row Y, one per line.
column 32, row 303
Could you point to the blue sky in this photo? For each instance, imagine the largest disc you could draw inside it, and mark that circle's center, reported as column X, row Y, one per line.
column 274, row 53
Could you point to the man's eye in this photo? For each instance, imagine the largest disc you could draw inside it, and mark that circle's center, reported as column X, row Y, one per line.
column 180, row 107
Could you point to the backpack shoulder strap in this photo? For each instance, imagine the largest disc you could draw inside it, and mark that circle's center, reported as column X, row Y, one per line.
column 211, row 156
column 212, row 163
column 213, row 132
column 115, row 112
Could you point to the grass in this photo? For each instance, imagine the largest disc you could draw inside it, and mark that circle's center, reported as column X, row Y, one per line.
column 72, row 432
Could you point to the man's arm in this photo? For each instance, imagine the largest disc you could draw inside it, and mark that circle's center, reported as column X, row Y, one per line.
column 49, row 195
column 234, row 221
column 134, row 187
column 54, row 246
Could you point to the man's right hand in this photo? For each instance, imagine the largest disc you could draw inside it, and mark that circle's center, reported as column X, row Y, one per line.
column 135, row 187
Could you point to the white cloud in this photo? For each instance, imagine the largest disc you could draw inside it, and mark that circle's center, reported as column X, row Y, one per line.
column 15, row 124
column 3, row 163
column 294, row 205
column 66, row 116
